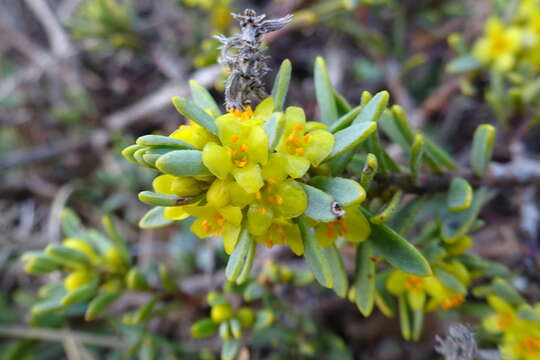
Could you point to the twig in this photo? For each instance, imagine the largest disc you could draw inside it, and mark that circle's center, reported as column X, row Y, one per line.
column 108, row 341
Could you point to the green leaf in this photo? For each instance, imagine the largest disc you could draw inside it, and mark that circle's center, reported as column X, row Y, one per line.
column 450, row 281
column 160, row 140
column 460, row 195
column 482, row 148
column 81, row 294
column 324, row 93
column 253, row 291
column 203, row 99
column 68, row 257
column 438, row 155
column 166, row 279
column 115, row 238
column 404, row 318
column 315, row 257
column 274, row 127
column 527, row 312
column 417, row 324
column 384, row 300
column 342, row 105
column 345, row 191
column 321, row 206
column 396, row 250
column 457, row 224
column 144, row 312
column 195, row 113
column 340, row 282
column 154, row 219
column 45, row 306
column 385, row 162
column 369, row 170
column 389, row 209
column 240, row 256
column 281, row 84
column 230, row 349
column 374, row 108
column 503, row 290
column 100, row 303
column 345, row 120
column 415, row 161
column 351, row 136
column 364, row 281
column 203, row 328
column 139, row 159
column 463, row 63
column 71, row 224
column 183, row 163
column 244, row 275
column 157, row 199
column 129, row 152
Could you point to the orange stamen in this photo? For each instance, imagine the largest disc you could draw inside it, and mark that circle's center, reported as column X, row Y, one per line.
column 235, row 138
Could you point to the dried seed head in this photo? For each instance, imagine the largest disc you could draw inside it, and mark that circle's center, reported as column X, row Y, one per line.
column 459, row 345
column 243, row 55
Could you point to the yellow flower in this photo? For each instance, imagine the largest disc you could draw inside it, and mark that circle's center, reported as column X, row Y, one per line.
column 499, row 46
column 194, row 134
column 225, row 222
column 353, row 226
column 243, row 149
column 281, row 232
column 417, row 289
column 303, row 143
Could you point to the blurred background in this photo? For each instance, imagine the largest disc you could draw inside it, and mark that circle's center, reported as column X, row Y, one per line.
column 82, row 79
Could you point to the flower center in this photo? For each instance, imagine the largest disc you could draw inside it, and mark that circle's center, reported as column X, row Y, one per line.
column 505, row 320
column 531, row 346
column 238, row 154
column 414, row 283
column 242, row 115
column 452, row 302
column 336, row 228
column 213, row 225
column 296, row 141
column 274, row 236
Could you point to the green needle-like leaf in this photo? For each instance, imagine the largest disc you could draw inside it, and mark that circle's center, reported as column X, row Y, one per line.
column 240, row 256
column 396, row 250
column 324, row 93
column 195, row 113
column 281, row 85
column 351, row 136
column 182, row 163
column 315, row 257
column 364, row 282
column 482, row 148
column 460, row 195
column 339, row 275
column 415, row 161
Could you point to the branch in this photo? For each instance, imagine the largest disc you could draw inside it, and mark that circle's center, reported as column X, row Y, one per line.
column 61, row 335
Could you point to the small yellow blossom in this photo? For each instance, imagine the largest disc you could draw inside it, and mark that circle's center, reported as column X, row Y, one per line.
column 353, row 227
column 499, row 46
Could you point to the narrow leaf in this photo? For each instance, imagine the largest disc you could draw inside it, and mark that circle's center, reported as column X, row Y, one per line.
column 345, row 191
column 369, row 171
column 182, row 163
column 274, row 127
column 482, row 148
column 240, row 256
column 160, row 140
column 195, row 113
column 460, row 195
column 281, row 85
column 203, row 99
column 364, row 281
column 374, row 108
column 315, row 257
column 100, row 304
column 321, row 206
column 396, row 250
column 345, row 120
column 324, row 93
column 450, row 281
column 415, row 161
column 154, row 219
column 389, row 210
column 339, row 275
column 457, row 224
column 156, row 199
column 351, row 136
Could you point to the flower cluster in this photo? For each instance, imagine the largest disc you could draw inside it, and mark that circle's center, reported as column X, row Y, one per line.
column 517, row 322
column 507, row 44
column 248, row 175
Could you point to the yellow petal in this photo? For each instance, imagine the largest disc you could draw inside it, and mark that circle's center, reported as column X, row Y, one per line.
column 175, row 213
column 218, row 194
column 230, row 235
column 358, row 228
column 217, row 160
column 163, row 184
column 319, row 147
column 249, row 178
column 297, row 166
column 258, row 145
column 294, row 239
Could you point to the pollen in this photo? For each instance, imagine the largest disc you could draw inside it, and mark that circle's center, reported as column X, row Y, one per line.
column 450, row 303
column 271, row 181
column 258, row 195
column 241, row 163
column 243, row 148
column 279, row 200
column 505, row 320
column 235, row 138
column 306, row 138
column 414, row 283
column 263, row 211
column 298, row 127
column 206, row 227
column 299, row 151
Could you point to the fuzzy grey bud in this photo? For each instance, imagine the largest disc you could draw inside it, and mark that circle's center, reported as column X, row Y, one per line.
column 243, row 55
